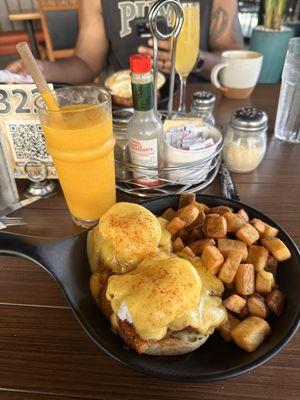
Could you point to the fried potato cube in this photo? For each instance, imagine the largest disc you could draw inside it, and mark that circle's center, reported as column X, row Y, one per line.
column 198, row 245
column 275, row 301
column 175, row 225
column 264, row 282
column 212, row 259
column 243, row 214
column 244, row 313
column 258, row 224
column 178, row 244
column 226, row 328
column 188, row 251
column 258, row 256
column 257, row 306
column 188, row 214
column 215, row 227
column 230, row 266
column 201, row 206
column 221, row 210
column 247, row 234
column 234, row 303
column 271, row 265
column 234, row 221
column 277, row 248
column 245, row 279
column 169, row 214
column 226, row 245
column 250, row 333
column 198, row 223
column 269, row 231
column 185, row 199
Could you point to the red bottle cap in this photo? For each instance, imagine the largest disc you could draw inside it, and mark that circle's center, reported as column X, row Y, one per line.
column 140, row 63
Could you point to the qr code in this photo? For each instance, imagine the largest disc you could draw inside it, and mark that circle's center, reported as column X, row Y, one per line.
column 28, row 141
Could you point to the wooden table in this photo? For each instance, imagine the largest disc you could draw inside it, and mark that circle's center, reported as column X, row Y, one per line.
column 28, row 17
column 44, row 353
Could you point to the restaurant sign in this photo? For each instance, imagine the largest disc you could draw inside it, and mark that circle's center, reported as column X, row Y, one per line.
column 24, row 137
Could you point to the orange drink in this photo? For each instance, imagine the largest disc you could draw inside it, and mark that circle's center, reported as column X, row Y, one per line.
column 80, row 140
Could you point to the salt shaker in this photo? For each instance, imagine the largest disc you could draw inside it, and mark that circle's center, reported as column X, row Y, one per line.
column 122, row 155
column 246, row 140
column 202, row 106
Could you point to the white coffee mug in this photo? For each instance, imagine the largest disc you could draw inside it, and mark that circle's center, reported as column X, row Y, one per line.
column 237, row 74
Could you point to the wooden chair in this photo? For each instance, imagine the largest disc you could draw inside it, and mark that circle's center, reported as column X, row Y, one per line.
column 59, row 20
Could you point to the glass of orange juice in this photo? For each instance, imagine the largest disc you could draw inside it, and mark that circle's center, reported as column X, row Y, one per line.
column 80, row 140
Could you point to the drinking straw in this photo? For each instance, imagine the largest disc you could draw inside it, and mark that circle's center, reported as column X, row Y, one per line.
column 37, row 76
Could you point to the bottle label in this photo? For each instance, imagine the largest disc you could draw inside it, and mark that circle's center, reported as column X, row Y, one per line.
column 145, row 153
column 142, row 94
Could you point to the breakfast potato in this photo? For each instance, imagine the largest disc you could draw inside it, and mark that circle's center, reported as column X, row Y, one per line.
column 269, row 232
column 212, row 259
column 243, row 214
column 250, row 333
column 185, row 199
column 187, row 250
column 198, row 245
column 264, row 282
column 275, row 301
column 175, row 225
column 234, row 303
column 188, row 214
column 244, row 313
column 215, row 227
column 258, row 256
column 201, row 206
column 234, row 221
column 226, row 328
column 271, row 265
column 169, row 214
column 221, row 210
column 257, row 306
column 178, row 244
column 198, row 223
column 245, row 279
column 247, row 234
column 230, row 266
column 258, row 224
column 277, row 248
column 226, row 245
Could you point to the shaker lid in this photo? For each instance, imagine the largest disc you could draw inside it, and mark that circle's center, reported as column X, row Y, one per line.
column 121, row 118
column 249, row 119
column 203, row 99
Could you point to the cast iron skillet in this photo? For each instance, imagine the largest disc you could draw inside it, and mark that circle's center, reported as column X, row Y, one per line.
column 66, row 261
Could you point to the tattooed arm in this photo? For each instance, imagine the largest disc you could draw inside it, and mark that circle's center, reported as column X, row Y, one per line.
column 225, row 33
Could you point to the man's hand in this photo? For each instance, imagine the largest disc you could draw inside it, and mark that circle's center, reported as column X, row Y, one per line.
column 17, row 67
column 164, row 54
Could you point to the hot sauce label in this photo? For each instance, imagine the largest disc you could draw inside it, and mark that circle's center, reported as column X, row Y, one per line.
column 145, row 153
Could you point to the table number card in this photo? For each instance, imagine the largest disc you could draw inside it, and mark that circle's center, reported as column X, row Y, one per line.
column 23, row 132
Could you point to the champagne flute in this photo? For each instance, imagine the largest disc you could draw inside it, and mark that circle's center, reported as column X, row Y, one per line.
column 187, row 46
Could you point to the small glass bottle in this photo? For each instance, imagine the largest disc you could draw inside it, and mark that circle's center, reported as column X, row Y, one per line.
column 202, row 106
column 122, row 156
column 246, row 140
column 145, row 129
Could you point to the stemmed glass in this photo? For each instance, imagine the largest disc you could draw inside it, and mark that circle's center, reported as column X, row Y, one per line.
column 187, row 46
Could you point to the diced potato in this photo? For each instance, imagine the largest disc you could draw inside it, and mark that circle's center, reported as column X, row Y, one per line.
column 175, row 225
column 226, row 328
column 169, row 214
column 198, row 222
column 271, row 265
column 185, row 199
column 220, row 210
column 230, row 266
column 187, row 250
column 188, row 214
column 250, row 333
column 226, row 245
column 198, row 246
column 178, row 244
column 234, row 303
column 258, row 224
column 257, row 255
column 275, row 301
column 247, row 234
column 257, row 306
column 215, row 227
column 269, row 231
column 264, row 282
column 186, row 236
column 244, row 313
column 212, row 259
column 201, row 206
column 245, row 279
column 243, row 214
column 277, row 248
column 234, row 221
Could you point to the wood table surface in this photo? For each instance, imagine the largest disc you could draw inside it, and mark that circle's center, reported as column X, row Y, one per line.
column 44, row 353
